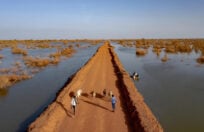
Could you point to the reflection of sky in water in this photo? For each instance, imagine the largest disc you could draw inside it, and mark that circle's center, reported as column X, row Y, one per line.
column 41, row 52
column 173, row 89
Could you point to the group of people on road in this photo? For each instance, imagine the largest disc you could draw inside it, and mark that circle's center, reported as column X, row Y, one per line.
column 74, row 101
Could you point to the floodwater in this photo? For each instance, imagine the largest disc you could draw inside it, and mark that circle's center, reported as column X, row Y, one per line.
column 173, row 90
column 24, row 101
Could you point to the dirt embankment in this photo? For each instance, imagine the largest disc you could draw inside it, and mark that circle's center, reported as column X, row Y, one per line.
column 103, row 70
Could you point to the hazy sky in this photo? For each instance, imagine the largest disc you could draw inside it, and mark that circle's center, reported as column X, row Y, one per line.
column 71, row 19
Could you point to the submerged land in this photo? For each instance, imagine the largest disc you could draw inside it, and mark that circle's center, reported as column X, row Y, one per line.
column 22, row 59
column 26, row 65
column 103, row 70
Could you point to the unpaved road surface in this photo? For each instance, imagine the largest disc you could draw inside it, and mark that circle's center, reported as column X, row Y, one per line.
column 95, row 114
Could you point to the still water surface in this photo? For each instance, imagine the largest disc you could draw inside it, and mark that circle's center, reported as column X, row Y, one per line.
column 173, row 90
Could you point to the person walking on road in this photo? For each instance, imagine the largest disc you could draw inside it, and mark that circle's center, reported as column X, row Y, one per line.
column 113, row 101
column 104, row 92
column 73, row 103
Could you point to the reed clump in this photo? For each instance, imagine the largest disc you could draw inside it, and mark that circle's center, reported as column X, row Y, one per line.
column 40, row 62
column 43, row 45
column 16, row 50
column 62, row 52
column 200, row 60
column 183, row 48
column 170, row 49
column 126, row 43
column 8, row 80
column 4, row 82
column 157, row 51
column 36, row 61
column 11, row 70
column 164, row 58
column 1, row 56
column 55, row 55
column 141, row 52
column 77, row 45
column 142, row 43
column 67, row 51
column 94, row 42
column 198, row 46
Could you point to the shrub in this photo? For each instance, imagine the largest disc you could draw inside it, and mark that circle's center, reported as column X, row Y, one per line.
column 78, row 45
column 1, row 56
column 164, row 59
column 157, row 51
column 183, row 48
column 43, row 45
column 55, row 55
column 36, row 62
column 200, row 60
column 17, row 50
column 67, row 51
column 170, row 49
column 141, row 52
column 4, row 82
column 8, row 80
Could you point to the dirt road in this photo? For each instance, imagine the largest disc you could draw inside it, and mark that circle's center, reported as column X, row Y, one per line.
column 95, row 114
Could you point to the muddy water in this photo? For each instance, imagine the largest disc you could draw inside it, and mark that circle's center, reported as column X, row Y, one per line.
column 21, row 103
column 173, row 90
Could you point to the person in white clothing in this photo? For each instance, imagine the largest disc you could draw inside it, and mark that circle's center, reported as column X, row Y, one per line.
column 74, row 103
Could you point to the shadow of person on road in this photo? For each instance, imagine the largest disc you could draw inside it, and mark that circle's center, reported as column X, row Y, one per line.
column 68, row 113
column 98, row 95
column 96, row 105
column 85, row 95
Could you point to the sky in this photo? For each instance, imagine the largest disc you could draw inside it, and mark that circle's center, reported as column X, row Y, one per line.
column 101, row 19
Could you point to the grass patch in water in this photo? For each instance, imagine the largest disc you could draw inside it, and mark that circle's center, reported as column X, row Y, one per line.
column 8, row 80
column 141, row 52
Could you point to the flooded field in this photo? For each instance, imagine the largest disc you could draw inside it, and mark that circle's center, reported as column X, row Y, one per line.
column 173, row 88
column 171, row 78
column 22, row 100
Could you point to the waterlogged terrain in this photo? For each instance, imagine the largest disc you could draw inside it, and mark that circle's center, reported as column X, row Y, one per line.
column 23, row 100
column 172, row 88
column 171, row 77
